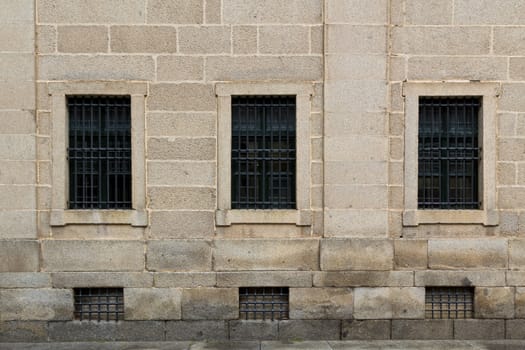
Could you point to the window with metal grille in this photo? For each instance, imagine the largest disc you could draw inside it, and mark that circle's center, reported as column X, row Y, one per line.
column 263, row 152
column 263, row 303
column 99, row 152
column 449, row 153
column 99, row 304
column 449, row 302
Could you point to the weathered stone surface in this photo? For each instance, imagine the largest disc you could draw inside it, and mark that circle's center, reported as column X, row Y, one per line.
column 244, row 39
column 460, row 278
column 494, row 302
column 152, row 303
column 23, row 331
column 479, row 329
column 106, row 331
column 17, row 147
column 385, row 303
column 210, row 303
column 272, row 11
column 185, row 279
column 253, row 330
column 310, row 329
column 489, row 12
column 17, row 122
column 467, row 254
column 174, row 11
column 181, row 148
column 46, row 39
column 428, row 12
column 182, row 224
column 25, row 280
column 197, row 330
column 510, row 101
column 356, row 254
column 178, row 255
column 265, row 279
column 321, row 303
column 365, row 329
column 17, row 37
column 106, row 279
column 176, row 68
column 357, row 11
column 182, row 173
column 17, row 172
column 514, row 329
column 356, row 39
column 184, row 198
column 284, row 39
column 517, row 254
column 92, row 256
column 181, row 97
column 36, row 304
column 181, row 124
column 422, row 329
column 520, row 303
column 95, row 11
column 18, row 224
column 17, row 67
column 76, row 39
column 356, row 224
column 145, row 39
column 264, row 254
column 205, row 40
column 355, row 67
column 410, row 254
column 364, row 279
column 509, row 40
column 19, row 256
column 356, row 196
column 457, row 68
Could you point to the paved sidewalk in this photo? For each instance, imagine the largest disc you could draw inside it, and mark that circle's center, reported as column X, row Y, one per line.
column 277, row 345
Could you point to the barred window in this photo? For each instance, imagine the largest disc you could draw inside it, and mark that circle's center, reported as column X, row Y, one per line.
column 99, row 152
column 449, row 152
column 263, row 152
column 99, row 304
column 449, row 302
column 264, row 303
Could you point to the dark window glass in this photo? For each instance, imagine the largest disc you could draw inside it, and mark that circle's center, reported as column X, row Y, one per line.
column 449, row 153
column 263, row 303
column 263, row 152
column 99, row 152
column 99, row 304
column 449, row 302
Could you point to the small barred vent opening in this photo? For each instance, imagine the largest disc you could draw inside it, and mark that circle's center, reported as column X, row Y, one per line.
column 99, row 304
column 449, row 302
column 263, row 303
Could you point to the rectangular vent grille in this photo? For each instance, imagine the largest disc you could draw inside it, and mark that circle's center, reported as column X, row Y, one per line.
column 99, row 304
column 263, row 303
column 449, row 302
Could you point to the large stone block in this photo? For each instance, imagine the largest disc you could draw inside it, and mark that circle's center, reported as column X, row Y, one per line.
column 210, row 303
column 136, row 39
column 17, row 66
column 175, row 11
column 199, row 198
column 19, row 256
column 98, row 279
column 509, row 41
column 520, row 303
column 23, row 331
column 385, row 303
column 25, row 280
column 272, row 11
column 467, row 253
column 205, row 40
column 357, row 11
column 36, row 304
column 182, row 224
column 96, row 67
column 336, row 148
column 46, row 39
column 106, row 331
column 484, row 278
column 178, row 255
column 17, row 172
column 479, row 329
column 182, row 124
column 364, row 279
column 94, row 11
column 152, row 303
column 428, row 12
column 511, row 100
column 356, row 196
column 254, row 330
column 514, row 329
column 457, row 68
column 355, row 67
column 181, row 173
column 92, row 256
column 517, row 254
column 17, row 147
column 197, row 330
column 310, row 329
column 213, row 11
column 304, row 68
column 437, row 40
column 18, row 224
column 356, row 39
column 489, row 12
column 355, row 223
column 410, row 254
column 321, row 303
column 182, row 97
column 266, row 254
column 17, row 37
column 422, row 329
column 17, row 122
column 244, row 39
column 494, row 302
column 177, row 68
column 516, row 67
column 185, row 279
column 356, row 254
column 265, row 279
column 511, row 149
column 284, row 39
column 180, row 148
column 17, row 11
column 365, row 329
column 76, row 39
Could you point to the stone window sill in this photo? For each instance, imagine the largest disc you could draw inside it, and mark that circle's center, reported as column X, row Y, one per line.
column 297, row 217
column 138, row 218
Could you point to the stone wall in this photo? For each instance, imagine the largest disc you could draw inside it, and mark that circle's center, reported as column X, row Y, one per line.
column 357, row 268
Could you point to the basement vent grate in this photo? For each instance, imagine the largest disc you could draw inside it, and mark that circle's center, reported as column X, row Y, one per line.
column 99, row 304
column 263, row 303
column 449, row 302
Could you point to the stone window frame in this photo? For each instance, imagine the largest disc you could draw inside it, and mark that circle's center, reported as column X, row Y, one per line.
column 302, row 215
column 487, row 215
column 60, row 214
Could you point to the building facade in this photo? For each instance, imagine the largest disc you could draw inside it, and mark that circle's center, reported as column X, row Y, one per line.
column 241, row 169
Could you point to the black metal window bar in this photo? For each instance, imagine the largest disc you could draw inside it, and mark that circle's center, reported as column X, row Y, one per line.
column 449, row 302
column 99, row 152
column 449, row 153
column 263, row 152
column 99, row 304
column 263, row 303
